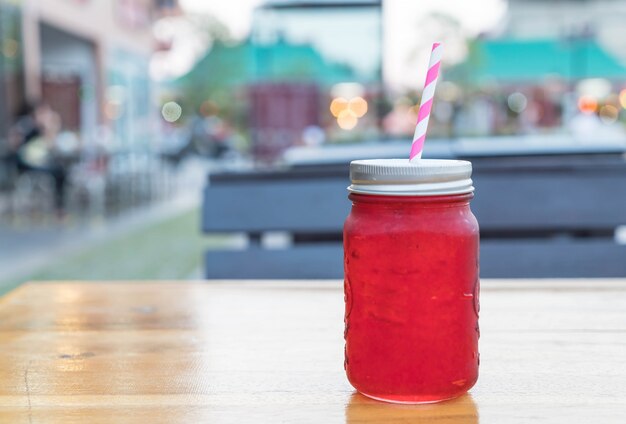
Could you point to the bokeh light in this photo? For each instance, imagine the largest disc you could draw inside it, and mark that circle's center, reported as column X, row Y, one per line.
column 313, row 136
column 622, row 98
column 171, row 111
column 587, row 104
column 338, row 105
column 347, row 120
column 517, row 102
column 10, row 47
column 358, row 105
column 348, row 112
column 608, row 114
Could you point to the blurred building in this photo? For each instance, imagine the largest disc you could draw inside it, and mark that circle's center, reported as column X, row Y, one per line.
column 281, row 83
column 88, row 59
column 281, row 113
column 529, row 62
column 604, row 19
column 11, row 64
column 276, row 86
column 550, row 66
column 346, row 34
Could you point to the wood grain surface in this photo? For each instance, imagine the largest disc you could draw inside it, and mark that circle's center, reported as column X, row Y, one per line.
column 270, row 352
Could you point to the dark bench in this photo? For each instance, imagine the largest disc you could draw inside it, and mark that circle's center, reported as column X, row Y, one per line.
column 306, row 206
column 552, row 216
column 540, row 216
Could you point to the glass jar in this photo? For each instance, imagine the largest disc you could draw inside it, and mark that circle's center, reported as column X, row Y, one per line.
column 411, row 280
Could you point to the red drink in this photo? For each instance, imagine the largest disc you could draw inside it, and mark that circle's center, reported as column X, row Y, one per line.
column 411, row 281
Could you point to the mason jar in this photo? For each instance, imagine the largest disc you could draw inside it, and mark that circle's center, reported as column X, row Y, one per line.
column 411, row 280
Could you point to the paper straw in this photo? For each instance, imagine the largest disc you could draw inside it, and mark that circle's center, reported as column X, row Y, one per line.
column 427, row 103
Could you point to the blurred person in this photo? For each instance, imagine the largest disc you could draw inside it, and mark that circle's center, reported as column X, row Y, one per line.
column 201, row 128
column 481, row 115
column 476, row 115
column 210, row 135
column 549, row 112
column 201, row 134
column 176, row 145
column 32, row 137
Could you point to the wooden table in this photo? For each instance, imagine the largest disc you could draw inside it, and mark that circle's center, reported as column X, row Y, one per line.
column 269, row 352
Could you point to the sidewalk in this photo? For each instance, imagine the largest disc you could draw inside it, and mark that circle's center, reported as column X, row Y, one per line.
column 159, row 241
column 57, row 253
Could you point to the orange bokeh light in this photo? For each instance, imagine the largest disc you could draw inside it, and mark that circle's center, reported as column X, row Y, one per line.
column 347, row 119
column 358, row 105
column 587, row 104
column 338, row 105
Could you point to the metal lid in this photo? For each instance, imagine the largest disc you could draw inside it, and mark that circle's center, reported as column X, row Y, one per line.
column 399, row 177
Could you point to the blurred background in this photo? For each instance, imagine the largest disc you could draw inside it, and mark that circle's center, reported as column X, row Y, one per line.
column 178, row 139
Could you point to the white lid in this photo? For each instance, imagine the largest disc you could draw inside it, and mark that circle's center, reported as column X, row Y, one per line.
column 399, row 177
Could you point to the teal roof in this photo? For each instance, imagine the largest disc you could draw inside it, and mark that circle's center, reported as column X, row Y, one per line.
column 232, row 65
column 533, row 60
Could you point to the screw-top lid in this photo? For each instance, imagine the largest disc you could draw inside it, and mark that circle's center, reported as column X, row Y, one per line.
column 399, row 177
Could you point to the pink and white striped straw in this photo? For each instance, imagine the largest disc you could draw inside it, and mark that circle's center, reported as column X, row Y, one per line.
column 427, row 103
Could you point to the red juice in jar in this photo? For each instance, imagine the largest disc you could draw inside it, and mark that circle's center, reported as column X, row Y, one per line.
column 411, row 280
